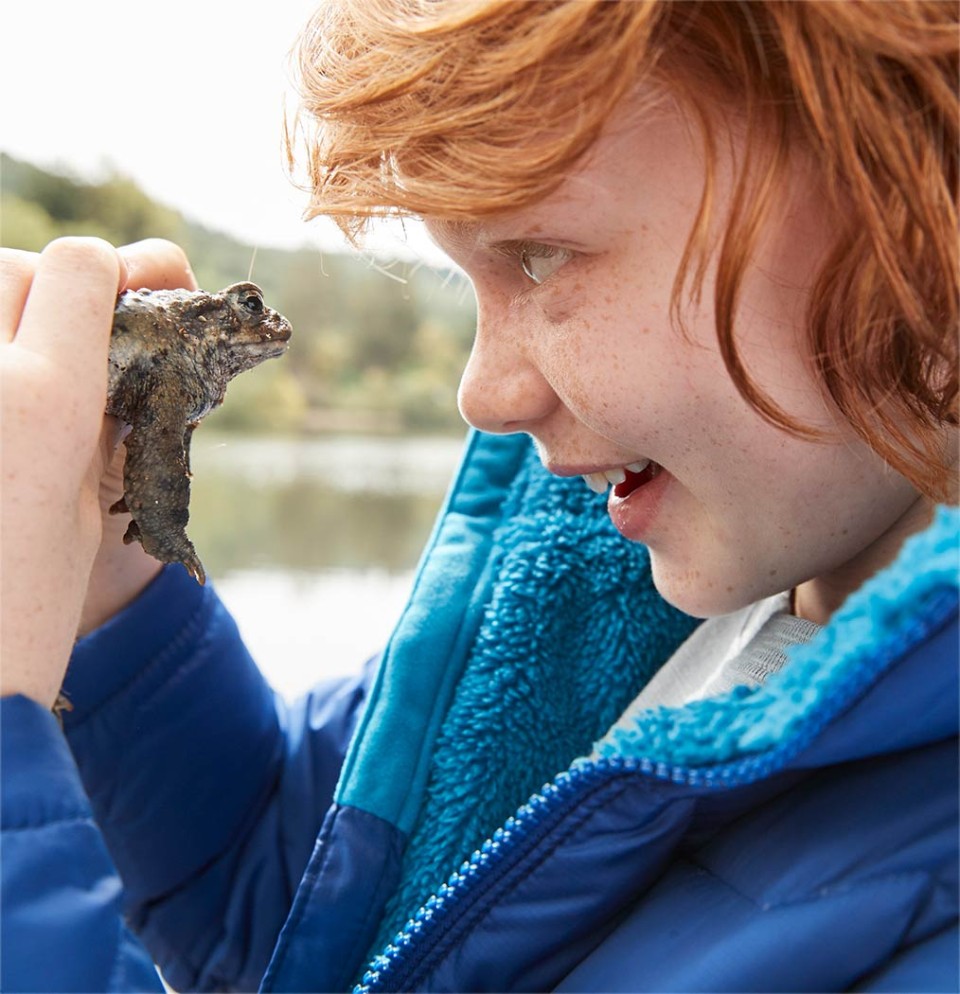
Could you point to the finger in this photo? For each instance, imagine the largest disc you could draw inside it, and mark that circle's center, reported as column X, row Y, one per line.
column 157, row 264
column 16, row 274
column 69, row 310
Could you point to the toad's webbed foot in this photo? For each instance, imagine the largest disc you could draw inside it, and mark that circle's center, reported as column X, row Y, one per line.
column 157, row 493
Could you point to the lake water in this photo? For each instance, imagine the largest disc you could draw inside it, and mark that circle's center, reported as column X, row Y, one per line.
column 312, row 543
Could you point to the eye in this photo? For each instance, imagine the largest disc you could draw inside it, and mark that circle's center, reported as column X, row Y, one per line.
column 253, row 303
column 540, row 262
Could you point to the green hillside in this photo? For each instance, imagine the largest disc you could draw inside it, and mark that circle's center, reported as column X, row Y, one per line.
column 370, row 352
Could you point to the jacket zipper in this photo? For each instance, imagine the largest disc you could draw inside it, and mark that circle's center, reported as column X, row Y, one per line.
column 393, row 968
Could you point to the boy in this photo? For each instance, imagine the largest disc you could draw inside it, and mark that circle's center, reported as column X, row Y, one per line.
column 713, row 248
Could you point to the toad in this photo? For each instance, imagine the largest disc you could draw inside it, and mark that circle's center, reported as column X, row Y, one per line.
column 172, row 353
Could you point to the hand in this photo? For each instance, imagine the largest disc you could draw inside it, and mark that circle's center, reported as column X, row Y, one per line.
column 61, row 465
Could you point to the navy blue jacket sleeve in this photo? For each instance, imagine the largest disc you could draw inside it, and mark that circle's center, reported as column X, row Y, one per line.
column 209, row 791
column 62, row 929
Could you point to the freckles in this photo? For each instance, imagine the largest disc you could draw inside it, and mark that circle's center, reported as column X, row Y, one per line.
column 572, row 377
column 580, row 396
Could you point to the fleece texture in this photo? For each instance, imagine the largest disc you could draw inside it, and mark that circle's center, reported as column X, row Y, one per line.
column 572, row 630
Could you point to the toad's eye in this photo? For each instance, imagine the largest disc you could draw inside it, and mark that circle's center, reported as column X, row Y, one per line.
column 540, row 262
column 253, row 303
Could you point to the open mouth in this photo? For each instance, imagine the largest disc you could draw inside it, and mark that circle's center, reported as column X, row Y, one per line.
column 634, row 481
column 625, row 479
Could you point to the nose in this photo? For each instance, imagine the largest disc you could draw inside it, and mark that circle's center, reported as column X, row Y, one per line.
column 502, row 389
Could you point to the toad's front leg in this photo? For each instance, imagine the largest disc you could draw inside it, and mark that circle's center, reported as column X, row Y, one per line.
column 157, row 490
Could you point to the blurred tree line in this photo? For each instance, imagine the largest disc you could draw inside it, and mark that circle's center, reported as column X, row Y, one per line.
column 372, row 350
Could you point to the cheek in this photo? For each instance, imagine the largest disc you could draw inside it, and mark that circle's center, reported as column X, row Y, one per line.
column 602, row 355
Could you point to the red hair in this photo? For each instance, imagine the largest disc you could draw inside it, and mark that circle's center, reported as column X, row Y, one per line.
column 468, row 108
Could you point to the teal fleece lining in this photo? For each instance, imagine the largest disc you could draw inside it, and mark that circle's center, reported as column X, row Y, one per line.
column 573, row 628
column 386, row 768
column 748, row 721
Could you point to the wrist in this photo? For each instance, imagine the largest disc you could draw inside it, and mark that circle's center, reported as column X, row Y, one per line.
column 120, row 574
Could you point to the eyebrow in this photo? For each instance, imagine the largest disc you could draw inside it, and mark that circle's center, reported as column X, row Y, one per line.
column 494, row 234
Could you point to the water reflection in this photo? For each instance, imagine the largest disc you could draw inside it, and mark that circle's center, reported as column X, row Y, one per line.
column 312, row 543
column 391, row 465
column 316, row 504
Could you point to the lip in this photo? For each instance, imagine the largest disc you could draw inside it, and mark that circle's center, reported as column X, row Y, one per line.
column 635, row 515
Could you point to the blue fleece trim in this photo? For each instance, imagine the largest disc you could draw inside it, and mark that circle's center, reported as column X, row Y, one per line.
column 748, row 721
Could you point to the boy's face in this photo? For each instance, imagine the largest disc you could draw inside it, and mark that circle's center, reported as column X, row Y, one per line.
column 576, row 347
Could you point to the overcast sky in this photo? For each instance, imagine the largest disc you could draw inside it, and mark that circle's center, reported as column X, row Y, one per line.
column 184, row 96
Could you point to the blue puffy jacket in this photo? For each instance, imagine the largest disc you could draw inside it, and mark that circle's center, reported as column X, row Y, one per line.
column 470, row 815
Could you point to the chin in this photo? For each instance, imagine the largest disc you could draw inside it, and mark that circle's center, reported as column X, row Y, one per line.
column 703, row 593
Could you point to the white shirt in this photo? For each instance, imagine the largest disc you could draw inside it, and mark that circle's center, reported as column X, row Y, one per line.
column 742, row 648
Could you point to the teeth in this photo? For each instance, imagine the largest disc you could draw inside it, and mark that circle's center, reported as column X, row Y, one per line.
column 615, row 476
column 598, row 482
